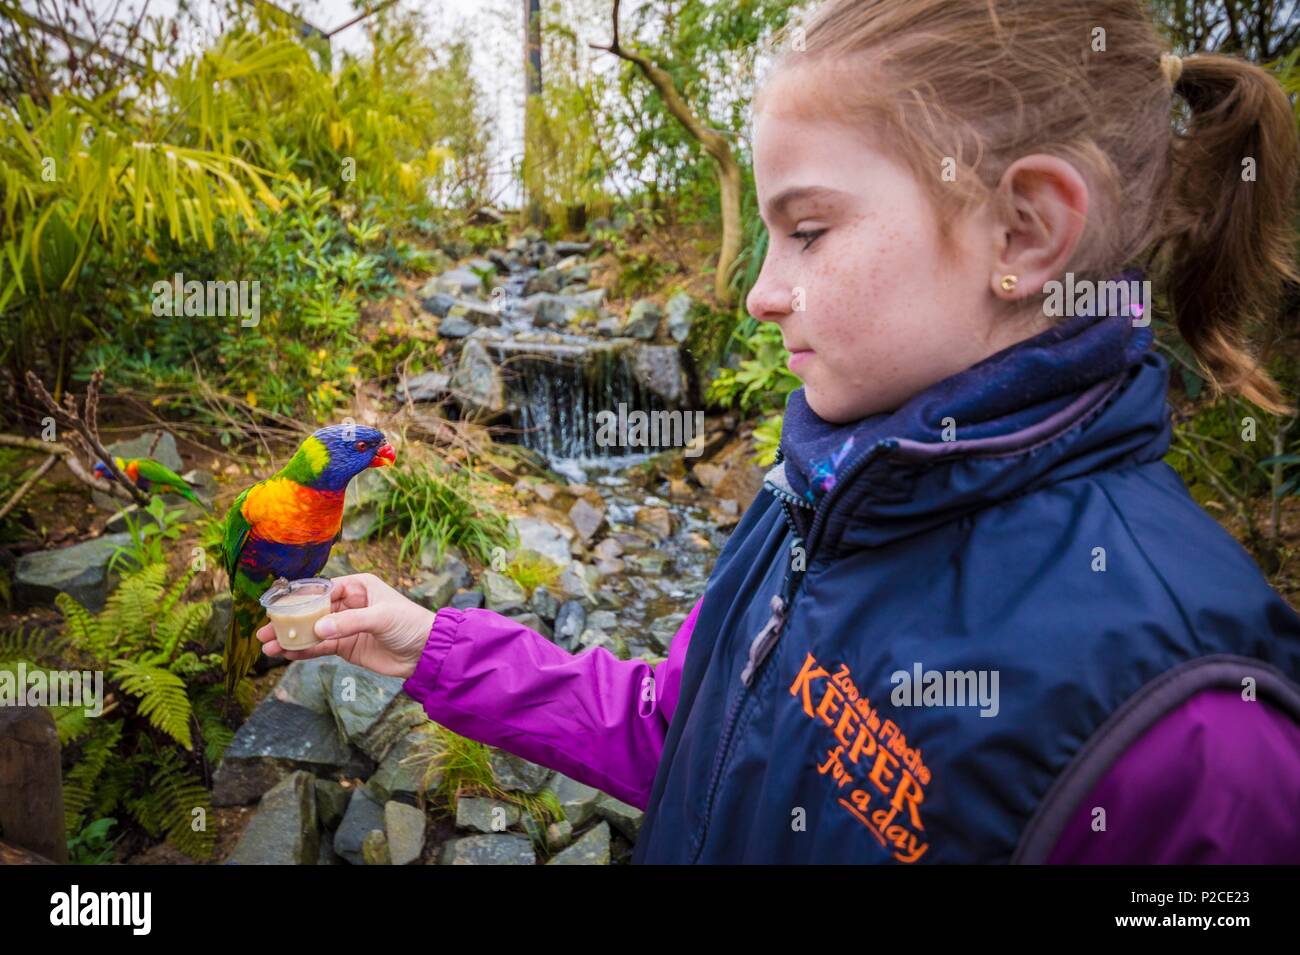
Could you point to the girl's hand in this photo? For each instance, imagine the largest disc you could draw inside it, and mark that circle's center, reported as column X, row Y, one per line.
column 369, row 624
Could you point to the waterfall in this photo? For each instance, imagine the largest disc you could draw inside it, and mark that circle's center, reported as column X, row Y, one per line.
column 558, row 391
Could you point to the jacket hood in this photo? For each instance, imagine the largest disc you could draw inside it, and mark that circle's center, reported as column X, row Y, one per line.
column 1088, row 393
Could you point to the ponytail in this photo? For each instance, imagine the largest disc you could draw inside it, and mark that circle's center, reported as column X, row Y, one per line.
column 1230, row 227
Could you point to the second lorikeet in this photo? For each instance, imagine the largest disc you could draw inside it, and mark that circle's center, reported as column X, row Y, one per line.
column 286, row 525
column 149, row 475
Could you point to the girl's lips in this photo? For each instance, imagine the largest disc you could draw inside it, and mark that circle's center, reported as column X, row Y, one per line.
column 798, row 357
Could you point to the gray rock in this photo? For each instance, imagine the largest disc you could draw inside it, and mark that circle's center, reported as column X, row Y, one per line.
column 543, row 537
column 602, row 620
column 327, row 856
column 680, row 310
column 643, row 321
column 609, row 549
column 533, row 622
column 477, row 380
column 664, row 629
column 277, row 739
column 587, row 518
column 572, row 248
column 592, row 848
column 331, row 802
column 505, row 848
column 653, row 562
column 429, row 386
column 402, row 774
column 626, row 819
column 438, row 304
column 547, row 280
column 544, row 604
column 485, row 815
column 570, row 621
column 470, row 600
column 433, row 590
column 460, row 281
column 558, row 835
column 577, row 583
column 308, row 683
column 284, row 829
column 502, row 594
column 516, row 773
column 404, row 826
column 339, row 565
column 80, row 571
column 360, row 523
column 659, row 368
column 363, row 816
column 578, row 800
column 144, row 446
column 456, row 326
column 358, row 698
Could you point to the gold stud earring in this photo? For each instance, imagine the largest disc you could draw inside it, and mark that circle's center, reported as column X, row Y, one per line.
column 1008, row 283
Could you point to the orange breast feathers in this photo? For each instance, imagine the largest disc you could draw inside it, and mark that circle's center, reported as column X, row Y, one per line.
column 286, row 512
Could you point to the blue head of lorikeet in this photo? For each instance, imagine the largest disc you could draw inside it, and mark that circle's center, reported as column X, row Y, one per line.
column 286, row 525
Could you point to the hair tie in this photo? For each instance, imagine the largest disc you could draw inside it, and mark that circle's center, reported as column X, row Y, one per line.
column 1171, row 64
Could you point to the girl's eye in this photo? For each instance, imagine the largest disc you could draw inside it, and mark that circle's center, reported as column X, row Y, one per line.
column 809, row 236
column 361, row 445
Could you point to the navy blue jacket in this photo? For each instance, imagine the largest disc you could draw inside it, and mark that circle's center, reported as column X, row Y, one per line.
column 1064, row 559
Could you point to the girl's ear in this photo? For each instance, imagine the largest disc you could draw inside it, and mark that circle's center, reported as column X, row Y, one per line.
column 1041, row 209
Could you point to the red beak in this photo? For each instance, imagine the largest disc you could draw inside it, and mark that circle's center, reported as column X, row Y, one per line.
column 384, row 455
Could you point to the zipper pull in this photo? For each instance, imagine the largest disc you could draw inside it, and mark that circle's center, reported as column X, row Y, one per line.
column 766, row 639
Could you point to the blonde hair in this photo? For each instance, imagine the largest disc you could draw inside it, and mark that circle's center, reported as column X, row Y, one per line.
column 976, row 84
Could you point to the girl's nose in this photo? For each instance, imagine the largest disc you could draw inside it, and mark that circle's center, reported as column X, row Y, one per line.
column 769, row 300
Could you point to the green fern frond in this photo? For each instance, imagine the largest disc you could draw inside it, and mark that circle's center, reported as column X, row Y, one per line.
column 167, row 807
column 181, row 625
column 81, row 783
column 131, row 609
column 216, row 734
column 80, row 628
column 163, row 697
column 175, row 592
column 35, row 645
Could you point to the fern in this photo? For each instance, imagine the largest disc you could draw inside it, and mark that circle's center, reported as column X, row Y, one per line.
column 216, row 734
column 80, row 628
column 167, row 802
column 35, row 645
column 163, row 697
column 131, row 609
column 80, row 783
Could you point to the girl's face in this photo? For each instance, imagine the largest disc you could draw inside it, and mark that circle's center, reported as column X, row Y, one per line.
column 870, row 306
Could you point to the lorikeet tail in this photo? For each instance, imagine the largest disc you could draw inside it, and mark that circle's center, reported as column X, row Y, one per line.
column 242, row 647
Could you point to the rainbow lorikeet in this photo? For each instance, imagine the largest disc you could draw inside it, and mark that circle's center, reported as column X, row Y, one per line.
column 148, row 475
column 286, row 525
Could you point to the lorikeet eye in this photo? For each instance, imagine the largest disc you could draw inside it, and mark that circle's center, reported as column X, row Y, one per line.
column 361, row 445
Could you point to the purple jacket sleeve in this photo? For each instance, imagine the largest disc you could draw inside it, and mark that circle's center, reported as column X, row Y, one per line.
column 1216, row 780
column 595, row 718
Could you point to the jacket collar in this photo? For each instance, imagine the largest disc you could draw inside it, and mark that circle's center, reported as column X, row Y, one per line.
column 1088, row 393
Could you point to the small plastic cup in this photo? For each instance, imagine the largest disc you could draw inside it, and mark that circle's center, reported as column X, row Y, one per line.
column 294, row 607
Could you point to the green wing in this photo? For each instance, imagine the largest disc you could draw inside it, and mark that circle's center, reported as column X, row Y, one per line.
column 160, row 473
column 165, row 479
column 237, row 528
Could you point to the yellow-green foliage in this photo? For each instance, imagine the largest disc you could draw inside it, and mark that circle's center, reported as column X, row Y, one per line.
column 531, row 570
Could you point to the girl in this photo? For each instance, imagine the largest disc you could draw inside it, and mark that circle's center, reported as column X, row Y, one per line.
column 973, row 616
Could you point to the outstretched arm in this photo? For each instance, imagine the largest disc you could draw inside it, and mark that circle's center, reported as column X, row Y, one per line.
column 595, row 718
